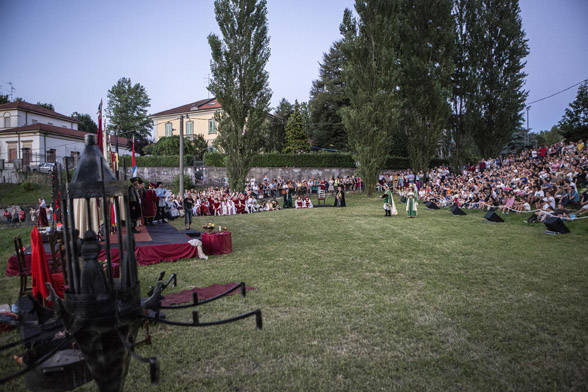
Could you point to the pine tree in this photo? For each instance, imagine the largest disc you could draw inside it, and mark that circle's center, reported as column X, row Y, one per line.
column 276, row 131
column 327, row 99
column 296, row 134
column 574, row 123
column 127, row 110
column 240, row 82
column 496, row 56
column 370, row 76
column 426, row 61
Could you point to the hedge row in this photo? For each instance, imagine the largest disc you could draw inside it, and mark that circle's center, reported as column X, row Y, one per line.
column 216, row 159
column 157, row 160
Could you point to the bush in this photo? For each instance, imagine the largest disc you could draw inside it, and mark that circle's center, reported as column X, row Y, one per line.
column 29, row 186
column 188, row 184
column 156, row 161
column 214, row 159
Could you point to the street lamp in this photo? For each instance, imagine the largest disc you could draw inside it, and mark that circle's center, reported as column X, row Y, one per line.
column 181, row 190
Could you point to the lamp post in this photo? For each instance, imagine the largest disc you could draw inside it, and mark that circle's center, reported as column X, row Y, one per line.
column 528, row 129
column 181, row 191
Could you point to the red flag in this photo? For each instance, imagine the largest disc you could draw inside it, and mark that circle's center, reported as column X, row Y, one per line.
column 99, row 136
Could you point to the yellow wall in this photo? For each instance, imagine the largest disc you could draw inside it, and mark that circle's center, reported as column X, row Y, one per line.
column 200, row 124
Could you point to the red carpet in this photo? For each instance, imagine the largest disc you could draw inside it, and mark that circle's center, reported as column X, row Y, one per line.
column 185, row 296
column 158, row 243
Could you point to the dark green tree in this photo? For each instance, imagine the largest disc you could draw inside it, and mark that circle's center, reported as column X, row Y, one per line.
column 370, row 77
column 459, row 142
column 4, row 98
column 240, row 82
column 327, row 98
column 574, row 123
column 296, row 134
column 426, row 60
column 497, row 57
column 127, row 110
column 276, row 130
column 85, row 122
column 46, row 105
column 549, row 137
column 520, row 139
column 170, row 145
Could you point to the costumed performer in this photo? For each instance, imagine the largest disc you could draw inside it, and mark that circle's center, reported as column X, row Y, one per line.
column 389, row 206
column 411, row 204
column 339, row 197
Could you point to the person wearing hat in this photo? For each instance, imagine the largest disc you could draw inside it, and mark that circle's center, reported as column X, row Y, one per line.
column 339, row 197
column 134, row 204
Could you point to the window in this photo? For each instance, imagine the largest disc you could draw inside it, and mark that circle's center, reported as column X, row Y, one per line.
column 168, row 129
column 75, row 155
column 34, row 121
column 190, row 127
column 211, row 126
column 50, row 123
column 51, row 155
column 7, row 120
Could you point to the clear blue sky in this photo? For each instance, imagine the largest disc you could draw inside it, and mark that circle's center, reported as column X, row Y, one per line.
column 70, row 53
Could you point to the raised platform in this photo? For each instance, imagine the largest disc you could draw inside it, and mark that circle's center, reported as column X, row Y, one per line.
column 154, row 244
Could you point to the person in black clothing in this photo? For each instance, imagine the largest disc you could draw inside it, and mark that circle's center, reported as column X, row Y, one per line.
column 339, row 197
column 188, row 203
column 134, row 199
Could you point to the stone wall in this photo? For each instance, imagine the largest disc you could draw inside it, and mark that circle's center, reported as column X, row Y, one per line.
column 163, row 174
column 11, row 176
column 216, row 175
column 292, row 173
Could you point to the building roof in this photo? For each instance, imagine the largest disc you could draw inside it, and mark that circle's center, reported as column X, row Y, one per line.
column 29, row 107
column 203, row 104
column 60, row 131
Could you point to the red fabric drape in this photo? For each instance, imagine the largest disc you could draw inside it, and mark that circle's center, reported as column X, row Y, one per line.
column 40, row 269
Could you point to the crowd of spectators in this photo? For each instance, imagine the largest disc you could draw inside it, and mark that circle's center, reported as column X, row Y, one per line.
column 547, row 180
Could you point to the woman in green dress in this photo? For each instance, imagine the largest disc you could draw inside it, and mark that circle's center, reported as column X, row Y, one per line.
column 411, row 204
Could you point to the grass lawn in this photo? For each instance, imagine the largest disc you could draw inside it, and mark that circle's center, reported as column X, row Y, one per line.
column 16, row 194
column 354, row 301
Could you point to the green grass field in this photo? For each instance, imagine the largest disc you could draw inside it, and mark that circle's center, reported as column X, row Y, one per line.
column 354, row 301
column 16, row 194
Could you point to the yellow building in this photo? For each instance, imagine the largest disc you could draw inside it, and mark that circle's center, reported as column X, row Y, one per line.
column 200, row 120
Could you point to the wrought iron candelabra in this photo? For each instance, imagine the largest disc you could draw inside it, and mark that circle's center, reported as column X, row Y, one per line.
column 102, row 314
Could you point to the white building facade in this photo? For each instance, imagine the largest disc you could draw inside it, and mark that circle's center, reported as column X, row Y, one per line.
column 31, row 135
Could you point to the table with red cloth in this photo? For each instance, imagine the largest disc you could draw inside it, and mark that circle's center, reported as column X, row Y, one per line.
column 217, row 243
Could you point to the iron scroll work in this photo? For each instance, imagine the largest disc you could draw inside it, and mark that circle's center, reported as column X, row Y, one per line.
column 102, row 314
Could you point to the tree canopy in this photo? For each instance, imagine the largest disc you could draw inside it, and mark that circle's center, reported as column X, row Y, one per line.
column 170, row 145
column 574, row 123
column 85, row 122
column 127, row 110
column 327, row 98
column 296, row 135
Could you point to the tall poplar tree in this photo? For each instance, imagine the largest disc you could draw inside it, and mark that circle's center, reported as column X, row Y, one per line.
column 327, row 98
column 496, row 56
column 426, row 61
column 371, row 76
column 240, row 82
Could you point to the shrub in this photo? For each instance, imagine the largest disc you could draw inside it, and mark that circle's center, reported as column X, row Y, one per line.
column 214, row 159
column 156, row 161
column 29, row 186
column 188, row 184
